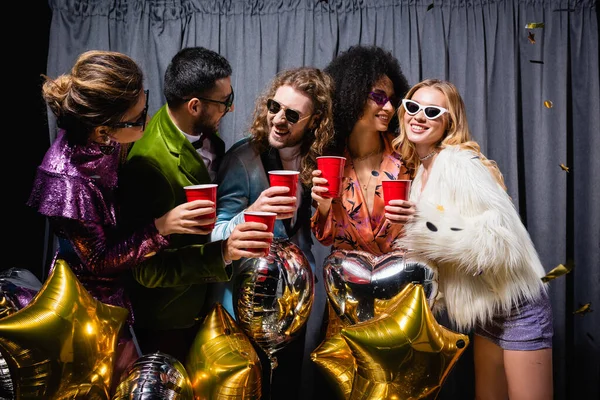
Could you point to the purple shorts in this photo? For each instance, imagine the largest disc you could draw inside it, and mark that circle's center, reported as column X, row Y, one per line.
column 528, row 327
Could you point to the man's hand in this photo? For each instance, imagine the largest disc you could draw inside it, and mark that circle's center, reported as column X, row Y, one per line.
column 274, row 199
column 247, row 240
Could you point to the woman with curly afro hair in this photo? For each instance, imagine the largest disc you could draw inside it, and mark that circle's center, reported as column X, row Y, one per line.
column 368, row 86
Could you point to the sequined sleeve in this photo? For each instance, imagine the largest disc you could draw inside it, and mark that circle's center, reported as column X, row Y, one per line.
column 107, row 250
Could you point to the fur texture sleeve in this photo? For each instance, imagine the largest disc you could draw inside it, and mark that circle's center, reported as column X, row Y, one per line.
column 467, row 224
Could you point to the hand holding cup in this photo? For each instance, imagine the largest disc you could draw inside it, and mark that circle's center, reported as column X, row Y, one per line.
column 204, row 192
column 395, row 195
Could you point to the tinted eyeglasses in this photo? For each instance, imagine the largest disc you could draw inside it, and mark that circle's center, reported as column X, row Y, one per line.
column 430, row 112
column 227, row 103
column 292, row 116
column 381, row 99
column 141, row 121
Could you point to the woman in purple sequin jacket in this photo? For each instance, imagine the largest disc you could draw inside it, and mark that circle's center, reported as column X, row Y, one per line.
column 99, row 106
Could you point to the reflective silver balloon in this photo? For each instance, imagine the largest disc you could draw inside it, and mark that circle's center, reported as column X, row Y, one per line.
column 18, row 287
column 7, row 390
column 156, row 376
column 359, row 285
column 273, row 296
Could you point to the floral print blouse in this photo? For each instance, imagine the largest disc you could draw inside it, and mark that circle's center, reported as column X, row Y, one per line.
column 349, row 226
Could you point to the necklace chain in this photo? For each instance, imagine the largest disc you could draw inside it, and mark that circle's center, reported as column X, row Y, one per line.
column 373, row 173
column 428, row 156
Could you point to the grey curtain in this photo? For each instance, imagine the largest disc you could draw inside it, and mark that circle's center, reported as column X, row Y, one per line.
column 532, row 95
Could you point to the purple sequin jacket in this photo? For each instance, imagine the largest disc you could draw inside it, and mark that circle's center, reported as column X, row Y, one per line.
column 75, row 187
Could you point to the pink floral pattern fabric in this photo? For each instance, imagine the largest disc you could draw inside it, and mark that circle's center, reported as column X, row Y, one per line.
column 349, row 226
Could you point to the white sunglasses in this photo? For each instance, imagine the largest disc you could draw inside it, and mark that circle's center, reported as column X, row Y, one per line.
column 431, row 112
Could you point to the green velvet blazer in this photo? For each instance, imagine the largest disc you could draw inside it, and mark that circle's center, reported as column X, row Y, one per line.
column 168, row 288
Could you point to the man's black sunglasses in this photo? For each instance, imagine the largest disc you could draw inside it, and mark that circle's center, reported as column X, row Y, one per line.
column 141, row 121
column 292, row 116
column 227, row 103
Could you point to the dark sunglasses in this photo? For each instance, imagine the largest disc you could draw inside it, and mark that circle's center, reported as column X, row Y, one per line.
column 292, row 116
column 381, row 99
column 227, row 103
column 431, row 112
column 141, row 121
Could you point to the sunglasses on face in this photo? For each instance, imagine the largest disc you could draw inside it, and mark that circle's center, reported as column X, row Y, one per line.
column 381, row 99
column 227, row 103
column 430, row 112
column 292, row 116
column 141, row 121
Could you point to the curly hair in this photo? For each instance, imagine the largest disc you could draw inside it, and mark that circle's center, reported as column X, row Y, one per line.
column 354, row 74
column 99, row 90
column 457, row 129
column 318, row 86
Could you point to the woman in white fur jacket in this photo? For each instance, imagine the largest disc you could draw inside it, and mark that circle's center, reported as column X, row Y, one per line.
column 488, row 270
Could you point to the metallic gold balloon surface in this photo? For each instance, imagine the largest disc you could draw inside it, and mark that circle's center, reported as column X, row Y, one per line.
column 156, row 376
column 62, row 344
column 222, row 363
column 273, row 296
column 401, row 354
column 335, row 360
column 361, row 285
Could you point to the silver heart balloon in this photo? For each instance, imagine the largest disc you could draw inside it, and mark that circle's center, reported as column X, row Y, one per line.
column 273, row 296
column 360, row 285
column 156, row 376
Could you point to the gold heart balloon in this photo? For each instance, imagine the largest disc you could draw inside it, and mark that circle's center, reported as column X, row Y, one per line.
column 222, row 363
column 62, row 344
column 401, row 354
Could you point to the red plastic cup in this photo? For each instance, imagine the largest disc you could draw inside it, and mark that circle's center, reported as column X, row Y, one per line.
column 332, row 169
column 394, row 190
column 203, row 192
column 264, row 217
column 285, row 178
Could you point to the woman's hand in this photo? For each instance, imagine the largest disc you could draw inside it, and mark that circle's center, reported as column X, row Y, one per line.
column 317, row 192
column 187, row 218
column 400, row 211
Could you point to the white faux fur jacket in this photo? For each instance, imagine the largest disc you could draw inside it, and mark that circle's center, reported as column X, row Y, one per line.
column 467, row 224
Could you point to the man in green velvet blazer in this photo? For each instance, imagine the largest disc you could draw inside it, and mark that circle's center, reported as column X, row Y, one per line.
column 180, row 147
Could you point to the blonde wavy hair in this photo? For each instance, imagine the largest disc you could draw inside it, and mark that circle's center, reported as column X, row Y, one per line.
column 457, row 129
column 318, row 86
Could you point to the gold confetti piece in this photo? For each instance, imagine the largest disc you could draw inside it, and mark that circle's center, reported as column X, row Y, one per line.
column 534, row 25
column 586, row 308
column 440, row 208
column 560, row 270
column 564, row 167
column 531, row 37
column 429, row 7
column 548, row 104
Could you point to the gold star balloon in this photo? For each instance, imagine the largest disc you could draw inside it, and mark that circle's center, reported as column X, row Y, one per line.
column 62, row 344
column 222, row 363
column 401, row 354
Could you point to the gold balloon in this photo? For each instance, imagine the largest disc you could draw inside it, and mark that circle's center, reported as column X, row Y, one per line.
column 222, row 363
column 401, row 354
column 62, row 344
